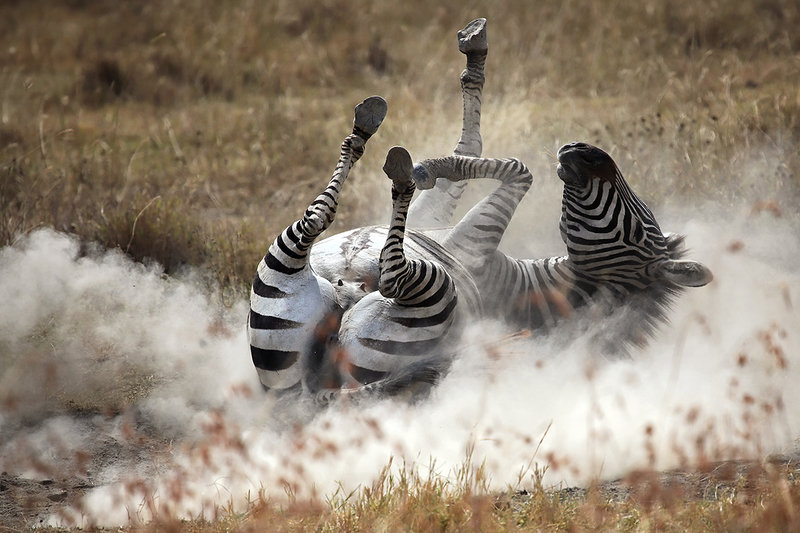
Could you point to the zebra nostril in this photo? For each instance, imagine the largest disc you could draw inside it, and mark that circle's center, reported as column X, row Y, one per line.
column 340, row 283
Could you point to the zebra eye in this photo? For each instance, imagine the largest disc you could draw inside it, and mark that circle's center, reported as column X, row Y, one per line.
column 340, row 283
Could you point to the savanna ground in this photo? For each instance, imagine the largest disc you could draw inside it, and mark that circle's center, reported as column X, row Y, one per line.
column 188, row 134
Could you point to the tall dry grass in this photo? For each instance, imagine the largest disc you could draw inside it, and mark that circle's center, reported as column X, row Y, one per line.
column 209, row 127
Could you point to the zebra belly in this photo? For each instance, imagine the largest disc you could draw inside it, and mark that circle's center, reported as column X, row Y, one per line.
column 349, row 261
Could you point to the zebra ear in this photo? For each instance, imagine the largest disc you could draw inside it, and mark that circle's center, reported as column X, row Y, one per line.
column 686, row 273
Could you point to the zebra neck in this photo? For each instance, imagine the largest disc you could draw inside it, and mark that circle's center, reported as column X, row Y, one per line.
column 530, row 294
column 539, row 294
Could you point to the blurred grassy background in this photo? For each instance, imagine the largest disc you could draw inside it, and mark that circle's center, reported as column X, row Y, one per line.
column 191, row 132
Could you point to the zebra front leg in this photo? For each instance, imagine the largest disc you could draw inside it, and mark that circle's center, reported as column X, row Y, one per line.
column 435, row 207
column 474, row 240
column 288, row 301
column 416, row 306
column 473, row 42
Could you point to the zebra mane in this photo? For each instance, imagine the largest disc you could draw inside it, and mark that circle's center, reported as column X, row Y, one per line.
column 651, row 307
column 676, row 245
column 646, row 310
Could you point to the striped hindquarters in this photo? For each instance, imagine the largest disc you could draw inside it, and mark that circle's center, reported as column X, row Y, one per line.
column 416, row 310
column 380, row 337
column 285, row 313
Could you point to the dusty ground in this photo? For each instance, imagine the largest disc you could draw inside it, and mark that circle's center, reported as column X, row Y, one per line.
column 61, row 480
column 27, row 502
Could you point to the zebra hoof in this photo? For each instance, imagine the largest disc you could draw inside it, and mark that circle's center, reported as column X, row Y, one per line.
column 472, row 39
column 423, row 178
column 399, row 168
column 369, row 115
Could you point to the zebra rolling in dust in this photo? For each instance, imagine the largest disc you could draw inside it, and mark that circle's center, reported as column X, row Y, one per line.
column 380, row 310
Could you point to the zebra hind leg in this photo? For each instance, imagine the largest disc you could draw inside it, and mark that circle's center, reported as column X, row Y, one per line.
column 289, row 253
column 435, row 207
column 368, row 117
column 288, row 301
column 410, row 283
column 391, row 338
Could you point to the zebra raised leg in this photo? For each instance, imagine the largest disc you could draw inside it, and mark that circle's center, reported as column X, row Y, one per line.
column 474, row 240
column 288, row 301
column 349, row 260
column 414, row 313
column 434, row 208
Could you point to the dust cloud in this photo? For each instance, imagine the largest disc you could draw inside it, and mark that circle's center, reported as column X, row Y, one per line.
column 140, row 387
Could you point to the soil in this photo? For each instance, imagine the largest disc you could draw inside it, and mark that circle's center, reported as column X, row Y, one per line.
column 30, row 499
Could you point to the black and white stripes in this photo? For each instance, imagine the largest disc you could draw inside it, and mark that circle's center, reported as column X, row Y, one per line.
column 416, row 312
column 380, row 309
column 616, row 251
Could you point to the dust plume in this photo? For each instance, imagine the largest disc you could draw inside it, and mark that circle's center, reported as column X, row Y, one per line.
column 140, row 386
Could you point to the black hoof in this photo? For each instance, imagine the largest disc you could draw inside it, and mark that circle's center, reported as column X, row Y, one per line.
column 423, row 178
column 399, row 167
column 369, row 115
column 472, row 39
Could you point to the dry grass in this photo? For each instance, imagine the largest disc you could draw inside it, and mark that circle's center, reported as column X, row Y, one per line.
column 190, row 133
column 726, row 497
column 214, row 125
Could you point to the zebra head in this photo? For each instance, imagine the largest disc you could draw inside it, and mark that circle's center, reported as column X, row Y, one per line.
column 611, row 235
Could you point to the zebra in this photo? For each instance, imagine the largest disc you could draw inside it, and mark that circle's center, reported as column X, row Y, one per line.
column 374, row 326
column 616, row 255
